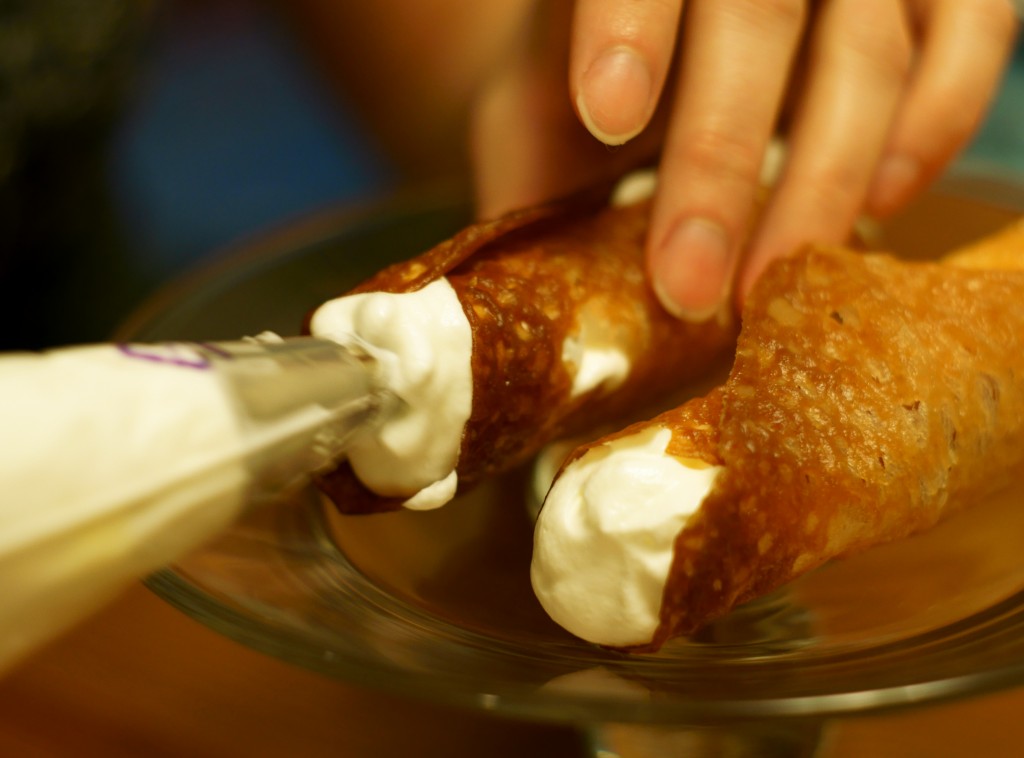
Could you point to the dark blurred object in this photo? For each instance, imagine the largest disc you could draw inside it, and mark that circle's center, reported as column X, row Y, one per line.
column 142, row 137
column 62, row 62
column 65, row 66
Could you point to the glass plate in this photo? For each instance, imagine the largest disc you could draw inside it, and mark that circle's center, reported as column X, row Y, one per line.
column 438, row 604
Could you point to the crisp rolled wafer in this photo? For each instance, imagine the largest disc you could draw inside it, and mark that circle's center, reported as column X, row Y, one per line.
column 564, row 331
column 869, row 398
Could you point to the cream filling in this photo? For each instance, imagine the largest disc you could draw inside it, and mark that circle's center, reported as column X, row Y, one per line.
column 599, row 362
column 635, row 187
column 604, row 541
column 424, row 345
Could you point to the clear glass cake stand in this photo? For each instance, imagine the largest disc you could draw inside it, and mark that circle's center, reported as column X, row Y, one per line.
column 437, row 605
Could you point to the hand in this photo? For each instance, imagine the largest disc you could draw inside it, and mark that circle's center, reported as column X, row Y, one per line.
column 874, row 97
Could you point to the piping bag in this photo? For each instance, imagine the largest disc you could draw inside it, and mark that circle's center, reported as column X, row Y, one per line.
column 118, row 459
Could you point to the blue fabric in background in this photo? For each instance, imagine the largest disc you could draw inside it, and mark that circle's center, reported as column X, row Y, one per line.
column 232, row 131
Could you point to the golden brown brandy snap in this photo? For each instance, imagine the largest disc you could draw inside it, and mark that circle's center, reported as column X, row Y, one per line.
column 870, row 398
column 530, row 284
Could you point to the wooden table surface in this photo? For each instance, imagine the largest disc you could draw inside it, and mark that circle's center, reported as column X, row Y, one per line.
column 142, row 679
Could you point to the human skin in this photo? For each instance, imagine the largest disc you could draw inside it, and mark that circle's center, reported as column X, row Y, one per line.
column 411, row 69
column 874, row 98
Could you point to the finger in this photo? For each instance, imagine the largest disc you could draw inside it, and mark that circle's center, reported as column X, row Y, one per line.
column 620, row 56
column 736, row 58
column 858, row 62
column 963, row 53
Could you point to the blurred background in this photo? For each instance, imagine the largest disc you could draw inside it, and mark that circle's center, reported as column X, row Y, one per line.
column 138, row 138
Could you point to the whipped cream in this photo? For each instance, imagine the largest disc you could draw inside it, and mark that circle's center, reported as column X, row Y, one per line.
column 604, row 541
column 423, row 343
column 599, row 363
column 635, row 187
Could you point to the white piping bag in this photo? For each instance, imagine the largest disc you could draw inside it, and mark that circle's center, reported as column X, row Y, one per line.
column 117, row 459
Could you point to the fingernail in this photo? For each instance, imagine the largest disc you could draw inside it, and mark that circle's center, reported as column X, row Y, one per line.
column 896, row 176
column 690, row 271
column 615, row 95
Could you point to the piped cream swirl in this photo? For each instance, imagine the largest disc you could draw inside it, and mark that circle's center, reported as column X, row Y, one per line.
column 604, row 541
column 424, row 345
